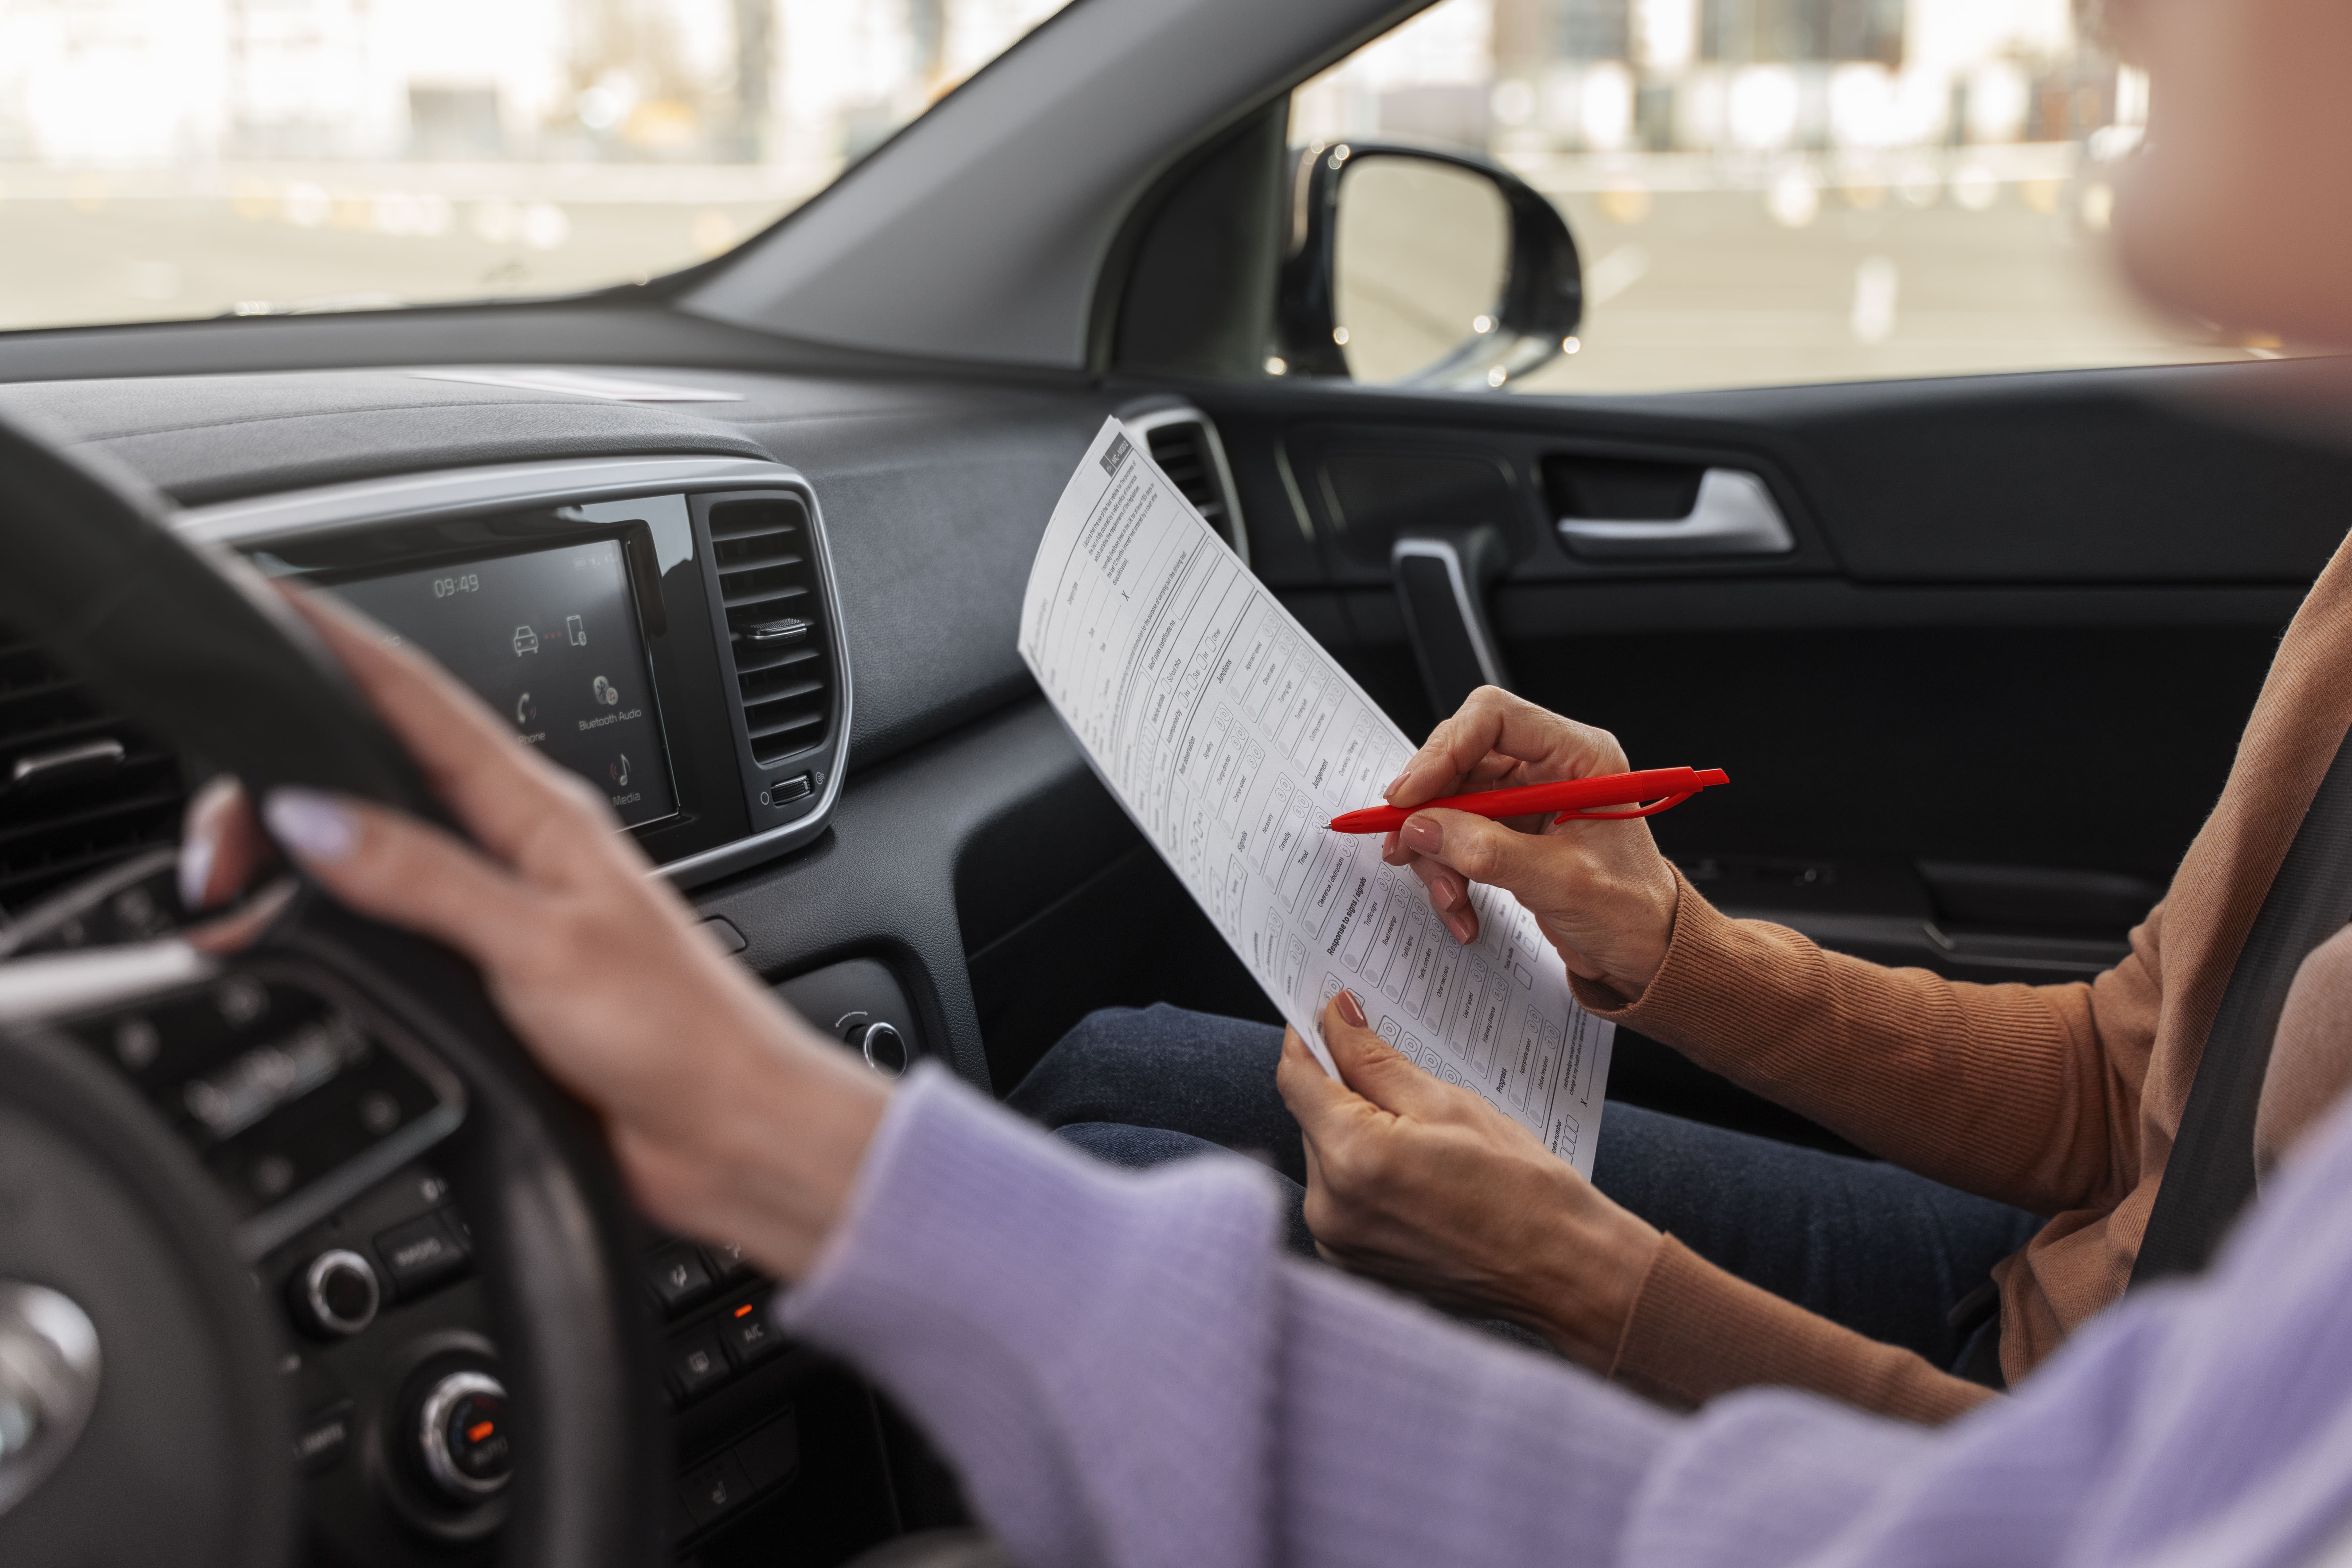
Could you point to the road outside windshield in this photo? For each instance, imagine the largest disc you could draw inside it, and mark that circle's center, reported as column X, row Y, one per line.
column 183, row 158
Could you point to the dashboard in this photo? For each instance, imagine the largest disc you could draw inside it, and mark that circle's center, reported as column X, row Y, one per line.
column 786, row 659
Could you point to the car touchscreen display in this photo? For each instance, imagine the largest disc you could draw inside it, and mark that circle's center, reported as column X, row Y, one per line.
column 550, row 640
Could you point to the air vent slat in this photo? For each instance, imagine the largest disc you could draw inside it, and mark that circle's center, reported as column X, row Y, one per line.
column 750, row 660
column 766, row 572
column 1182, row 449
column 81, row 821
column 757, row 553
column 778, row 687
column 758, row 588
column 78, row 825
column 788, row 726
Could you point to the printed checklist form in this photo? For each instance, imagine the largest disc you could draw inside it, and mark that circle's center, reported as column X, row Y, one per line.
column 1232, row 738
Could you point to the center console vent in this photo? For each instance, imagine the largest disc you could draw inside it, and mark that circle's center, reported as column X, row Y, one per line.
column 775, row 613
column 79, row 788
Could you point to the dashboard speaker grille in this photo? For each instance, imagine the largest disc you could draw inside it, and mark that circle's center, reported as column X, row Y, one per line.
column 79, row 788
column 775, row 622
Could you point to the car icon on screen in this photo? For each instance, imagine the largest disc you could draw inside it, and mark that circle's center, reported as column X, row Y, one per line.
column 525, row 641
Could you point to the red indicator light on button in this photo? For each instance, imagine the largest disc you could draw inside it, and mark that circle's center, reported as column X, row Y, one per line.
column 481, row 1430
column 744, row 1310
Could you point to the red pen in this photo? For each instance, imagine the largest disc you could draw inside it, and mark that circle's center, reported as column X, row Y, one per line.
column 1650, row 792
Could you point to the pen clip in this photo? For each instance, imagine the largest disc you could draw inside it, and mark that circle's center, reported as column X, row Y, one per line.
column 1652, row 809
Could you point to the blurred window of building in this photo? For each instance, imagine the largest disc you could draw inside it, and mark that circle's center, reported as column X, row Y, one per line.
column 180, row 158
column 1777, row 192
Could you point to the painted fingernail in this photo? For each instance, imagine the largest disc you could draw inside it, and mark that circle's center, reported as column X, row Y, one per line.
column 314, row 825
column 1351, row 1009
column 1422, row 835
column 1445, row 892
column 196, row 869
column 1458, row 924
column 1396, row 783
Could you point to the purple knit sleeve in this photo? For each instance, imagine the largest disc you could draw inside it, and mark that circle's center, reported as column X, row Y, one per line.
column 1127, row 1371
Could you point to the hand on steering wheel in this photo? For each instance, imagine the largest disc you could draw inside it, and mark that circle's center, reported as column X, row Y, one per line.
column 731, row 1120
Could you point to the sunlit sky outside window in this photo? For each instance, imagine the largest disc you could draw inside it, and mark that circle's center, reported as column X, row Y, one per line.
column 169, row 158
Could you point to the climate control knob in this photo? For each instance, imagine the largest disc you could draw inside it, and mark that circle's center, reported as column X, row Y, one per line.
column 336, row 1294
column 462, row 1437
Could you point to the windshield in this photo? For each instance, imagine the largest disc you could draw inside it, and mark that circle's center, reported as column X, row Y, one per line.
column 182, row 158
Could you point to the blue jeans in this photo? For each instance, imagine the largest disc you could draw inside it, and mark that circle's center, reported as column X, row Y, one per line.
column 1876, row 1248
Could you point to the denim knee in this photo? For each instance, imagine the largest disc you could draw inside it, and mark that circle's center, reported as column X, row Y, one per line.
column 1168, row 1067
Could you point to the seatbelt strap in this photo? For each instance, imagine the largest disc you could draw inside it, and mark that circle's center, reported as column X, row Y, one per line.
column 2211, row 1176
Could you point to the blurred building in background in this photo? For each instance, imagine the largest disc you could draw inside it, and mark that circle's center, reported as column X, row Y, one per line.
column 808, row 82
column 1728, row 78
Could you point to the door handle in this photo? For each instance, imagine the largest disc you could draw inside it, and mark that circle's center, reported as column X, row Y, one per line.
column 1734, row 515
column 1441, row 583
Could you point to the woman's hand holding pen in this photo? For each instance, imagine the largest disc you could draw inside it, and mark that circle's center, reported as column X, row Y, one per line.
column 1601, row 891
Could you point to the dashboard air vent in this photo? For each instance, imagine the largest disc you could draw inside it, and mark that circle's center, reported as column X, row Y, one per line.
column 79, row 789
column 768, row 582
column 1182, row 451
column 1185, row 445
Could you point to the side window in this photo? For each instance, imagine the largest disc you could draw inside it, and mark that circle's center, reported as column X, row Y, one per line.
column 1767, row 192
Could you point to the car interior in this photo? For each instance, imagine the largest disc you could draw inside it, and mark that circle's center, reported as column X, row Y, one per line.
column 1975, row 651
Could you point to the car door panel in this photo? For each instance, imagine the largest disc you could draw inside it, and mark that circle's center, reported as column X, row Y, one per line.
column 1975, row 713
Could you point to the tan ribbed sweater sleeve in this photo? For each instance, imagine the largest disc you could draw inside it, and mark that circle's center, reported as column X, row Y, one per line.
column 2028, row 1094
column 1697, row 1332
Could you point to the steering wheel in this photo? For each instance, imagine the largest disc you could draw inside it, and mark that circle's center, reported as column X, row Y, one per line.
column 142, row 1410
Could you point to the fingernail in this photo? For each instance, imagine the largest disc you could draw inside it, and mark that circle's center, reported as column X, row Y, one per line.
column 1351, row 1009
column 1444, row 892
column 1396, row 783
column 314, row 825
column 196, row 869
column 1459, row 924
column 1422, row 835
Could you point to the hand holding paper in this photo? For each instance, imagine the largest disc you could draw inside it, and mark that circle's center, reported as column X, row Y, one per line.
column 1232, row 738
column 1435, row 1191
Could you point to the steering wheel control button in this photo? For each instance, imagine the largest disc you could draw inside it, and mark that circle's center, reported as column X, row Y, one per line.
column 462, row 1430
column 337, row 1294
column 49, row 1384
column 324, row 1438
column 679, row 1277
column 749, row 1336
column 715, row 1490
column 420, row 1255
column 884, row 1049
column 698, row 1362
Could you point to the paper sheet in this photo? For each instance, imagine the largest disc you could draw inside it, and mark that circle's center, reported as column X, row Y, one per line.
column 1232, row 738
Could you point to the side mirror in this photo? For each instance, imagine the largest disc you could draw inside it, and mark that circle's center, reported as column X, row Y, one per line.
column 1409, row 267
